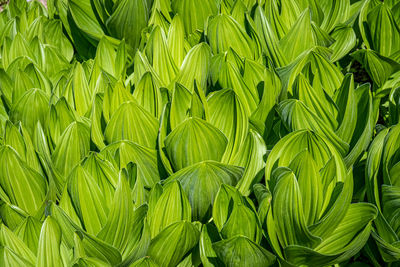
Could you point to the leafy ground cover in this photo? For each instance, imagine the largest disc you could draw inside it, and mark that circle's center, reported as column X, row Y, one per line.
column 200, row 133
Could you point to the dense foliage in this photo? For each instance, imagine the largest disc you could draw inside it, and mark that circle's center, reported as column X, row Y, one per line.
column 200, row 133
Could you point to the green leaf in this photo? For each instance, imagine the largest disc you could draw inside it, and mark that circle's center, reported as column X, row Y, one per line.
column 201, row 183
column 77, row 91
column 379, row 68
column 301, row 34
column 345, row 41
column 317, row 100
column 72, row 147
column 358, row 216
column 114, row 97
column 347, row 239
column 242, row 221
column 203, row 11
column 124, row 225
column 347, row 107
column 159, row 56
column 85, row 19
column 19, row 139
column 288, row 212
column 209, row 234
column 230, row 77
column 109, row 59
column 31, row 108
column 169, row 246
column 145, row 159
column 176, row 39
column 92, row 246
column 268, row 38
column 103, row 172
column 241, row 251
column 144, row 262
column 96, row 132
column 61, row 116
column 225, row 32
column 49, row 244
column 194, row 140
column 384, row 30
column 148, row 94
column 226, row 197
column 11, row 215
column 172, row 206
column 10, row 258
column 310, row 186
column 335, row 11
column 16, row 246
column 29, row 232
column 29, row 190
column 90, row 202
column 324, row 73
column 297, row 116
column 195, row 67
column 128, row 20
column 251, row 157
column 229, row 115
column 132, row 122
column 180, row 105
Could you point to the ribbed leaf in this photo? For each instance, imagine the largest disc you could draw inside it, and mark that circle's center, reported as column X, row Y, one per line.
column 160, row 57
column 226, row 198
column 378, row 67
column 176, row 39
column 132, row 122
column 148, row 95
column 242, row 221
column 240, row 251
column 193, row 23
column 29, row 190
column 209, row 235
column 49, row 244
column 29, row 232
column 61, row 116
column 73, row 146
column 180, row 105
column 195, row 67
column 345, row 40
column 347, row 107
column 229, row 115
column 268, row 38
column 201, row 183
column 169, row 246
column 193, row 141
column 85, row 19
column 16, row 246
column 385, row 34
column 19, row 139
column 128, row 20
column 91, row 203
column 297, row 116
column 124, row 152
column 224, row 32
column 326, row 75
column 301, row 34
column 124, row 225
column 288, row 212
column 251, row 157
column 172, row 206
column 92, row 246
column 31, row 108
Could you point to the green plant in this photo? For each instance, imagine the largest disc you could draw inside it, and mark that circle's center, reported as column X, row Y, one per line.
column 199, row 133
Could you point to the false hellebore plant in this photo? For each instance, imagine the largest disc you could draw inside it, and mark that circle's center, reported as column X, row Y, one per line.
column 200, row 133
